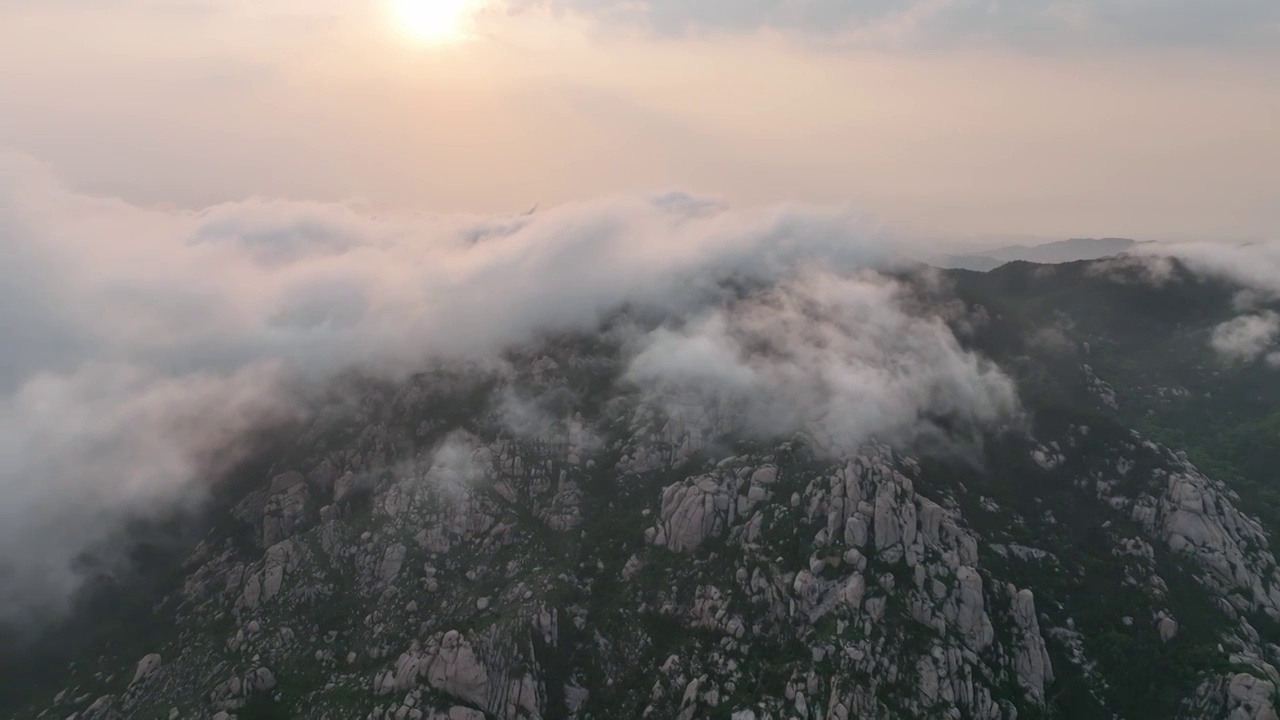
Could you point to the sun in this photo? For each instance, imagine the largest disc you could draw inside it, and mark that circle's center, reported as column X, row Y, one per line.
column 433, row 21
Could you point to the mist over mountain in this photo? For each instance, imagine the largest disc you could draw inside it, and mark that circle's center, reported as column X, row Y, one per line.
column 649, row 456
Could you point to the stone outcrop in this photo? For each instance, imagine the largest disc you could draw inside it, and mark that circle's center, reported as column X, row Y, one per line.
column 286, row 508
column 449, row 663
column 147, row 667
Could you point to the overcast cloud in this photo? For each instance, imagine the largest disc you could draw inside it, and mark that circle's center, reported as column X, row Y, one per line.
column 1025, row 23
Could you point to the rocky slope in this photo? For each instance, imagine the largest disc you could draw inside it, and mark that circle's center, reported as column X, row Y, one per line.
column 615, row 552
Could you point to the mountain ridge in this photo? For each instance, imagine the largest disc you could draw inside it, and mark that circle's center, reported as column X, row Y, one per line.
column 553, row 538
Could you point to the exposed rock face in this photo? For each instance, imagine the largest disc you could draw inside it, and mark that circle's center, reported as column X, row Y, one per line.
column 1196, row 518
column 392, row 561
column 449, row 663
column 234, row 693
column 286, row 508
column 1251, row 698
column 147, row 667
column 1032, row 659
column 692, row 512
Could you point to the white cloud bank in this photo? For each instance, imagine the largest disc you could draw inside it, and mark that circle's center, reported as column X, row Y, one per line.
column 1253, row 265
column 1248, row 337
column 839, row 357
column 140, row 345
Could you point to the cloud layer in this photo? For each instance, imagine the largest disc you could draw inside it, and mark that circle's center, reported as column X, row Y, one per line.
column 140, row 345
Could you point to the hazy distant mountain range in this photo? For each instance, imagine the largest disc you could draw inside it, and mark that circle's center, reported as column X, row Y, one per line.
column 1048, row 253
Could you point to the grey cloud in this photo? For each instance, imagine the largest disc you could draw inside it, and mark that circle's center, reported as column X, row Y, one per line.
column 86, row 451
column 322, row 304
column 686, row 204
column 544, row 416
column 1031, row 23
column 281, row 232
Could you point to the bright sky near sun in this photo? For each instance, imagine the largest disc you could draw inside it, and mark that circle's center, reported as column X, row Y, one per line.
column 434, row 21
column 1153, row 119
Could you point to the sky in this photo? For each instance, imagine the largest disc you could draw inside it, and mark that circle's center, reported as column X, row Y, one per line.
column 944, row 118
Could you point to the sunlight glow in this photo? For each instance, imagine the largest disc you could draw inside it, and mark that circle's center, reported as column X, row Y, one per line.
column 433, row 21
